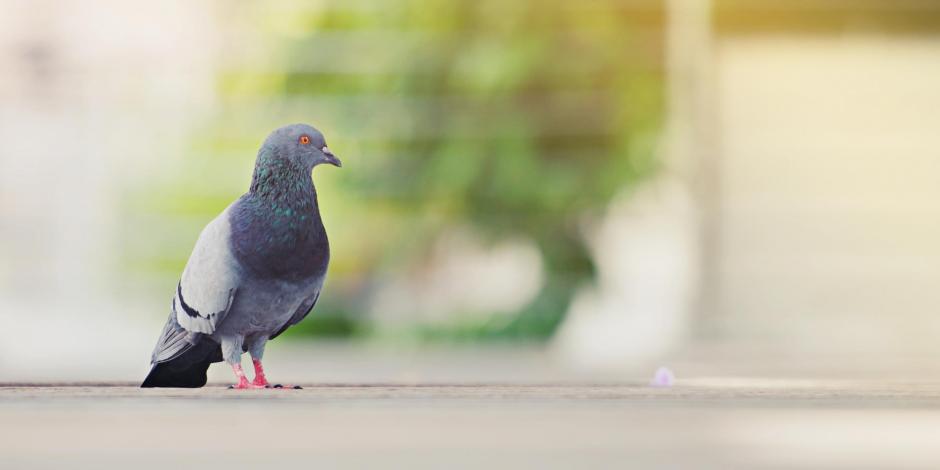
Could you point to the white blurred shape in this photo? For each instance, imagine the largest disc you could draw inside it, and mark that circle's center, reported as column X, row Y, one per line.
column 464, row 276
column 646, row 253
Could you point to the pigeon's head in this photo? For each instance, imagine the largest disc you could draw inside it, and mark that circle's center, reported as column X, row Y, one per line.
column 301, row 145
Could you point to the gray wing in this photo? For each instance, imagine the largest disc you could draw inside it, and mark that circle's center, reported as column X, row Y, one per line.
column 305, row 307
column 205, row 292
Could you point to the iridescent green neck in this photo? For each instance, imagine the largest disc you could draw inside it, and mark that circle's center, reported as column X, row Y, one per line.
column 281, row 181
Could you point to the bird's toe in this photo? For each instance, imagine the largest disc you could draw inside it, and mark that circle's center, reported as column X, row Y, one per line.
column 286, row 387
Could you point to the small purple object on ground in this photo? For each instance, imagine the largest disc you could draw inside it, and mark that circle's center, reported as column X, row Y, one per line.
column 663, row 378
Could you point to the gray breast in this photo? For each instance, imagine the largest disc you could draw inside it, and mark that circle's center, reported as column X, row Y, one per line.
column 266, row 305
column 279, row 240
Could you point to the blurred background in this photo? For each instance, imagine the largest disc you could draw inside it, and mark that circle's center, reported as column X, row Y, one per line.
column 530, row 188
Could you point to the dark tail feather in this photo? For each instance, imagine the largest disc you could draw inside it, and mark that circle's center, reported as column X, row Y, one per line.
column 181, row 358
column 187, row 370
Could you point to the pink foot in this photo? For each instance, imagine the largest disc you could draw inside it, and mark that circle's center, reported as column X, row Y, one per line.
column 243, row 383
column 262, row 382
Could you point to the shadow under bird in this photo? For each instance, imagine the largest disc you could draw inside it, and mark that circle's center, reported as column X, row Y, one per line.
column 256, row 269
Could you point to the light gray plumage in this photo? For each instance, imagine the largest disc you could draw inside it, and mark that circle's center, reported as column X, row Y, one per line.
column 256, row 269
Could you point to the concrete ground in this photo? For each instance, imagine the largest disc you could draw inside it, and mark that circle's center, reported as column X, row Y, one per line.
column 416, row 416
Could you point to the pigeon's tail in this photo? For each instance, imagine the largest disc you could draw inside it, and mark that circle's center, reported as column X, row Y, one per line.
column 188, row 370
column 181, row 358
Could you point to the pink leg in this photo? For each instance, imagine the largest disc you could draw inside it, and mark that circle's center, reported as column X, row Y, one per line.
column 242, row 379
column 260, row 379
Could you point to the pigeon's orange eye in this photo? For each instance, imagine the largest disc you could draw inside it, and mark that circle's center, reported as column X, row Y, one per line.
column 304, row 139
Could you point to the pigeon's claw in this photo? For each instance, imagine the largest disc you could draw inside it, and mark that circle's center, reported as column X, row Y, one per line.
column 287, row 387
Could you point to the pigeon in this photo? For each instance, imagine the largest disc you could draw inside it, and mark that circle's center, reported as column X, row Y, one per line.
column 256, row 269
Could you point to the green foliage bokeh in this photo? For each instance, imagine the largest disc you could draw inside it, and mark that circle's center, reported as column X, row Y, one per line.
column 516, row 118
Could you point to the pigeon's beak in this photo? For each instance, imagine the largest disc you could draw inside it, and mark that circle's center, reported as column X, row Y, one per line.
column 331, row 159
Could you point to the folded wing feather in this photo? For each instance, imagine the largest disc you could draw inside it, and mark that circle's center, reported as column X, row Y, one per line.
column 207, row 288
